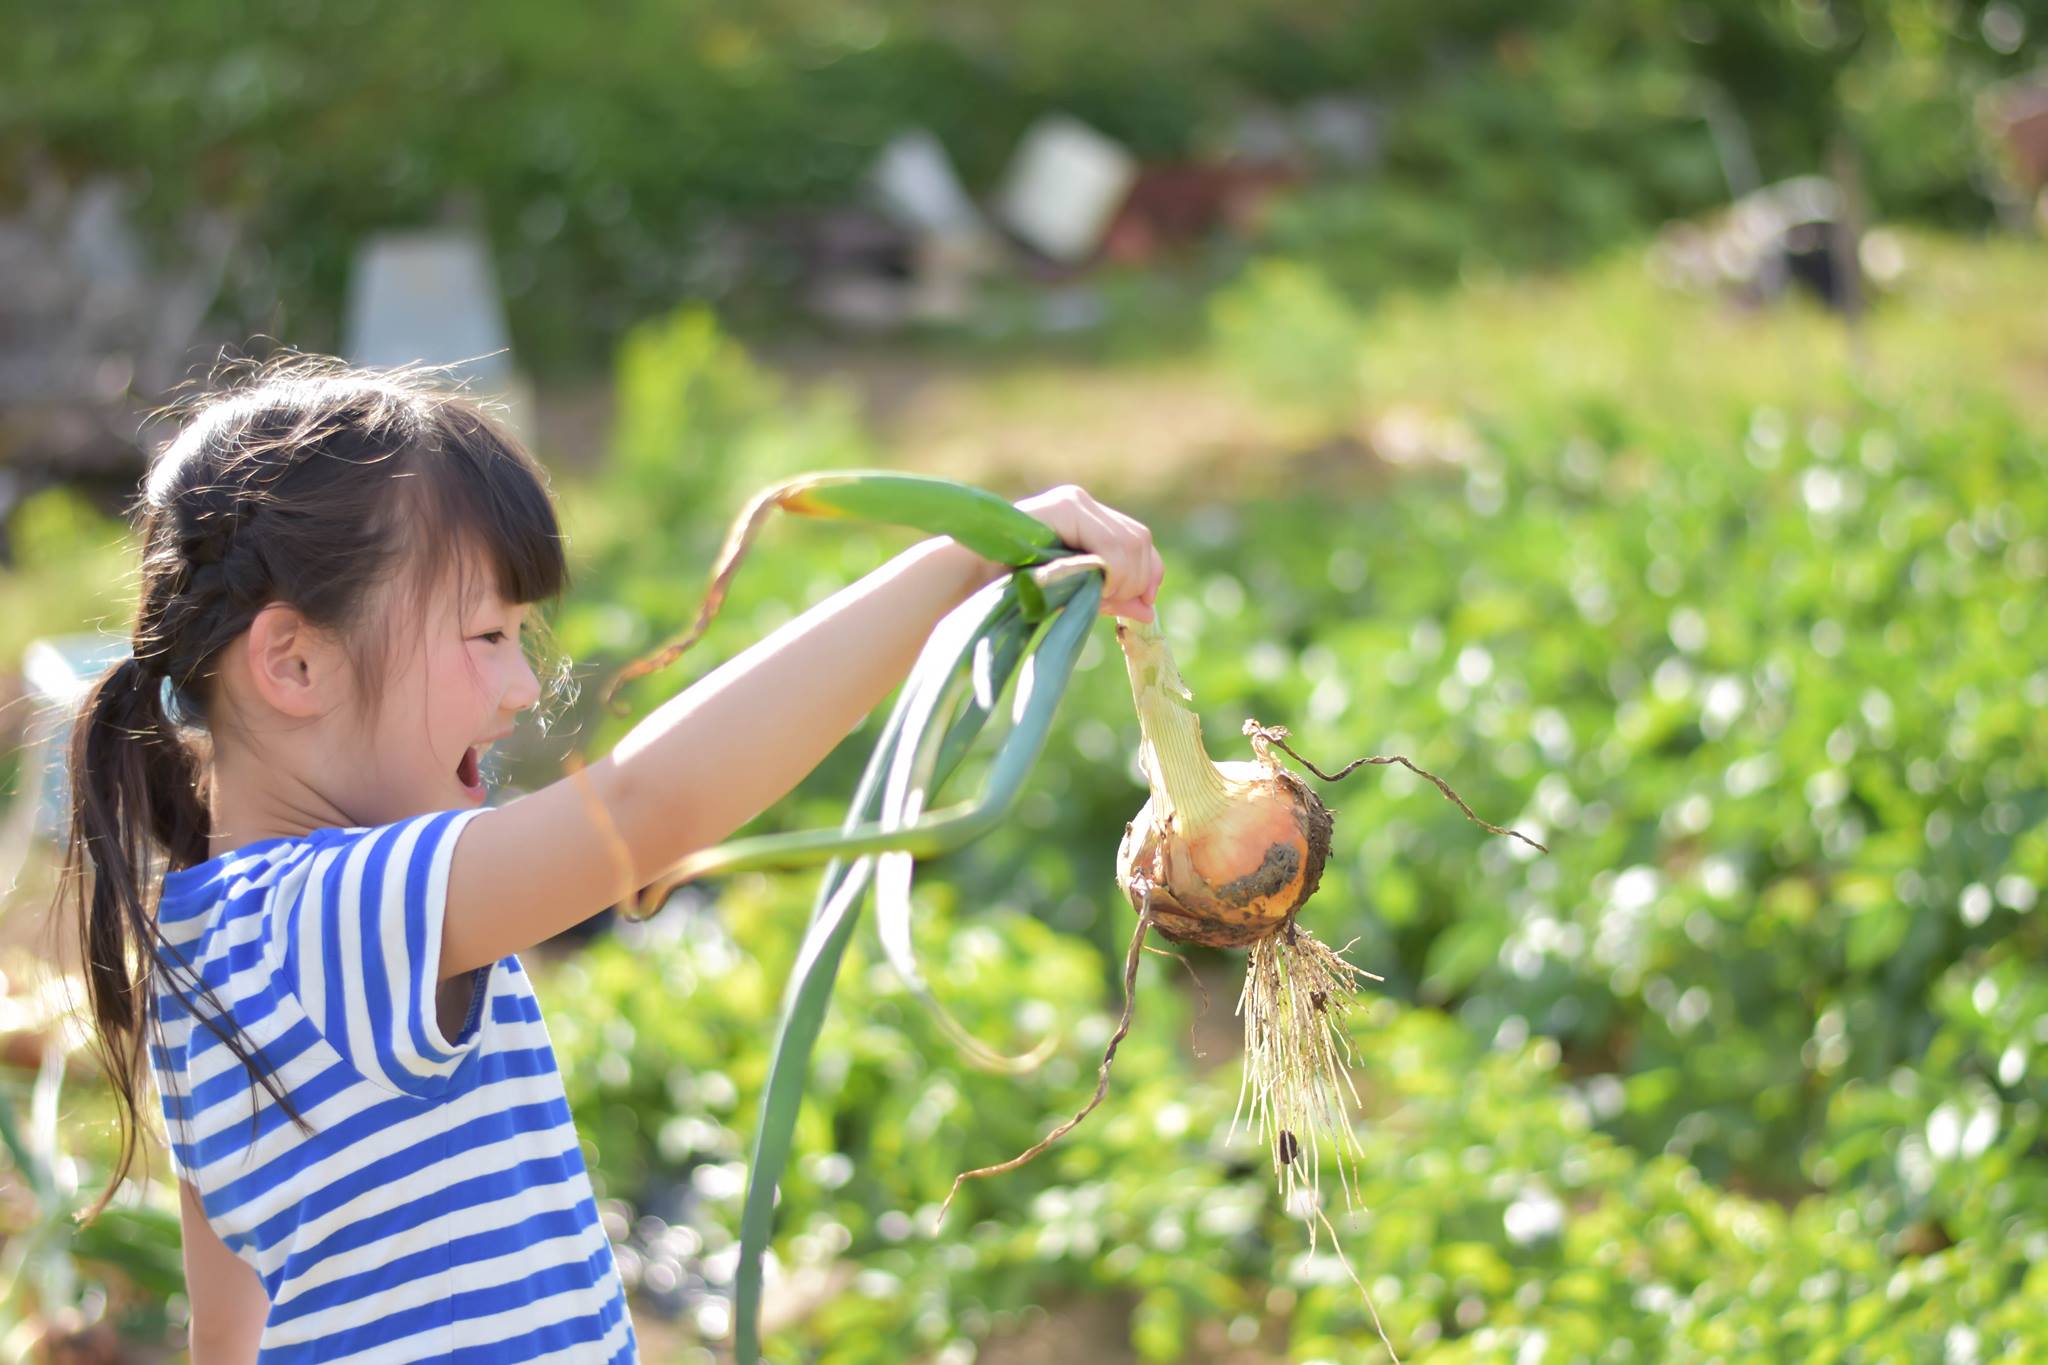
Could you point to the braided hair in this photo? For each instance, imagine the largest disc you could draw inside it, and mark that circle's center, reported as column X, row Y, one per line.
column 299, row 481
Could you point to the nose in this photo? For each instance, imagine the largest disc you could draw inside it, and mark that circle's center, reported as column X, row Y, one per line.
column 524, row 693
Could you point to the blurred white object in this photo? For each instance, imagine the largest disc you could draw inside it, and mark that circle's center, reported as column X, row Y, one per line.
column 1064, row 185
column 1762, row 244
column 56, row 675
column 915, row 185
column 432, row 297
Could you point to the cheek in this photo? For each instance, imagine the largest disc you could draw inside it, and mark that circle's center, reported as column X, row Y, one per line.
column 452, row 686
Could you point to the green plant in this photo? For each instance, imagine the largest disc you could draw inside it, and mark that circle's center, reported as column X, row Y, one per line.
column 65, row 553
column 63, row 1285
column 1645, row 585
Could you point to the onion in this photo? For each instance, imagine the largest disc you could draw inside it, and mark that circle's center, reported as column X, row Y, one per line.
column 1226, row 853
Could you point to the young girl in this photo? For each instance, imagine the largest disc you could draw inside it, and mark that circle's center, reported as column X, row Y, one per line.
column 375, row 1156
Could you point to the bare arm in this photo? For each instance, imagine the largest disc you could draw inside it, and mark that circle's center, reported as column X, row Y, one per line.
column 705, row 763
column 227, row 1300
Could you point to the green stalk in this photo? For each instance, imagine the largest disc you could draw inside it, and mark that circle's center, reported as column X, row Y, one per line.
column 916, row 773
column 803, row 1009
column 994, row 660
column 930, row 835
column 840, row 894
column 1183, row 778
column 1047, row 608
column 976, row 518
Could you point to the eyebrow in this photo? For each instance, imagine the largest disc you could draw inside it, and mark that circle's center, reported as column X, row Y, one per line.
column 495, row 607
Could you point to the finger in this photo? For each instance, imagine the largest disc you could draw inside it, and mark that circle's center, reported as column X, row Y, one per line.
column 1141, row 582
column 1130, row 608
column 1135, row 582
column 1129, row 587
column 1120, row 581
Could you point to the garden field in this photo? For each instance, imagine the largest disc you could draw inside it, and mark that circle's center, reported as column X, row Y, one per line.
column 1739, row 611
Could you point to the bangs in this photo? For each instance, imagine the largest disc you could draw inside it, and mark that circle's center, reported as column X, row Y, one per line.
column 482, row 502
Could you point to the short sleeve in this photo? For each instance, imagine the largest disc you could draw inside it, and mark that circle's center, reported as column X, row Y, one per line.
column 362, row 944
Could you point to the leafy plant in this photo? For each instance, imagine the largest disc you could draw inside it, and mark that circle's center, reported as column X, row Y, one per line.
column 56, row 1276
column 1647, row 579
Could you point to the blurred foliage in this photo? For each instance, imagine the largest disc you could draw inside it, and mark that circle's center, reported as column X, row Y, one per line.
column 1504, row 1224
column 67, row 557
column 69, row 1292
column 609, row 151
column 1681, row 556
column 1734, row 609
column 700, row 427
column 1750, row 1065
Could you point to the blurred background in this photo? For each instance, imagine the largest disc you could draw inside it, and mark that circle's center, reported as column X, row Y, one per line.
column 1632, row 412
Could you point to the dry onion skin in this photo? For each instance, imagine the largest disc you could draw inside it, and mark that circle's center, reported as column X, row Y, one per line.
column 1225, row 855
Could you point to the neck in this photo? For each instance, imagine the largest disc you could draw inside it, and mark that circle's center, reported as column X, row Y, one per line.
column 253, row 799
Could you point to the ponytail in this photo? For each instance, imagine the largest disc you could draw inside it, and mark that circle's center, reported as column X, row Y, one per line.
column 135, row 797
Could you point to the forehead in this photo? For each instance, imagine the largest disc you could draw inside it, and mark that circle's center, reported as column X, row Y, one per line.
column 462, row 586
column 473, row 591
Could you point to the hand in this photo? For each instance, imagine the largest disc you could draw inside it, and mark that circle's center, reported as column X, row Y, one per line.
column 1132, row 567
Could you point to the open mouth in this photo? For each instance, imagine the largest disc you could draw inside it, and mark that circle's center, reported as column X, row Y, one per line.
column 470, row 770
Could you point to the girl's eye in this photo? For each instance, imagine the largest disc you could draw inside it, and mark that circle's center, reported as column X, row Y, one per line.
column 494, row 636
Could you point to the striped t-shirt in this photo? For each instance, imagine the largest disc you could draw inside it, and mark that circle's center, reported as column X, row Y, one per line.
column 440, row 1210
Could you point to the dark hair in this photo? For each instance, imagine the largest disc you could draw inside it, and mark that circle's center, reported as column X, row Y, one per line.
column 301, row 481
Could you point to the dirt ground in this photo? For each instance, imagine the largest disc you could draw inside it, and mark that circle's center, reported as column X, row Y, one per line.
column 1124, row 433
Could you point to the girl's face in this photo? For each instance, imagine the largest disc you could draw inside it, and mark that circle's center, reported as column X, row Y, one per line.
column 458, row 681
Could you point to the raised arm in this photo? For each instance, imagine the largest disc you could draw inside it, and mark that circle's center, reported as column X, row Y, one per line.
column 705, row 763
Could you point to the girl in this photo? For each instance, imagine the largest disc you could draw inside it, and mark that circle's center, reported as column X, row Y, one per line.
column 375, row 1157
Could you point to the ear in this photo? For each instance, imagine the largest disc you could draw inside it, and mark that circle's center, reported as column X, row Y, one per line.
column 295, row 667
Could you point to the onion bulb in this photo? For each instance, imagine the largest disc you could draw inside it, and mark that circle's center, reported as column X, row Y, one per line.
column 1225, row 853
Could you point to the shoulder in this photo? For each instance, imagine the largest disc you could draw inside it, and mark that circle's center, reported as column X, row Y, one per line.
column 195, row 903
column 415, row 839
column 254, row 859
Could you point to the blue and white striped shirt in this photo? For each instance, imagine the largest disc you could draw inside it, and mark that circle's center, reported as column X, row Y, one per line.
column 440, row 1210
